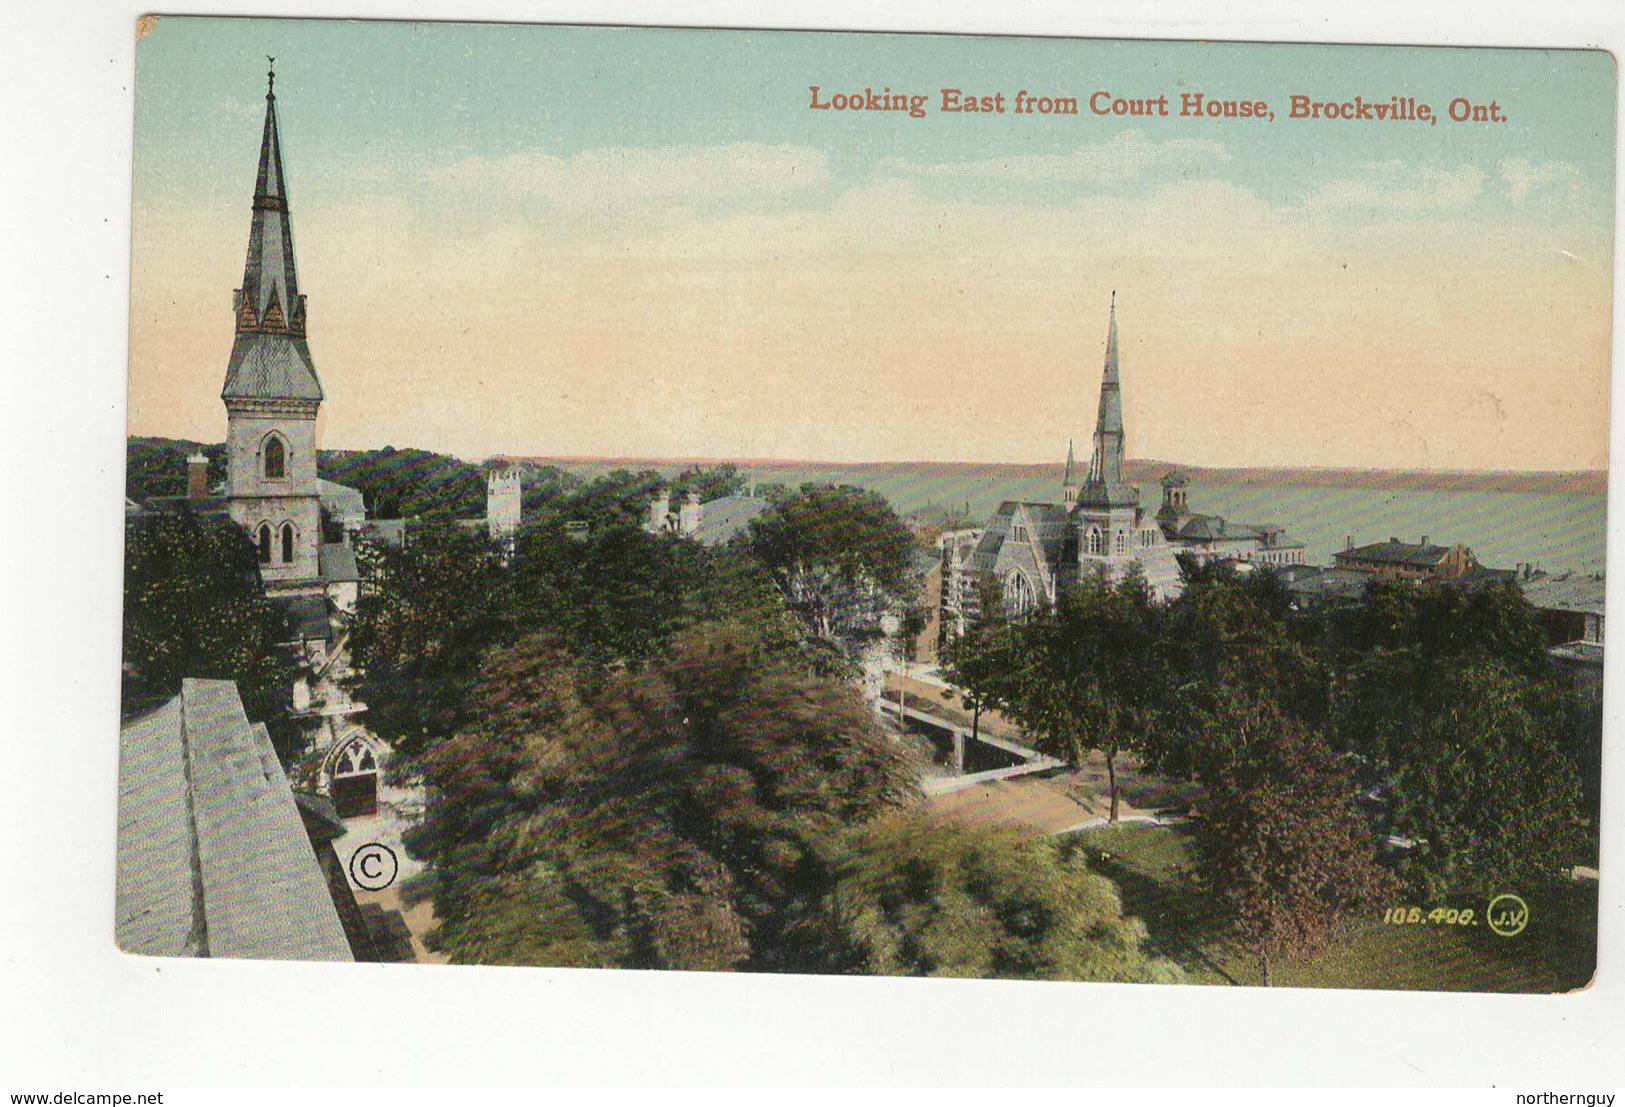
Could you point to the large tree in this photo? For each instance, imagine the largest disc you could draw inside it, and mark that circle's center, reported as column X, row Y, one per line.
column 664, row 816
column 427, row 614
column 1283, row 844
column 910, row 895
column 194, row 606
column 840, row 556
column 1468, row 732
column 1086, row 675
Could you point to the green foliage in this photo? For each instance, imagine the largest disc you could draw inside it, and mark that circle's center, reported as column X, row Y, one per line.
column 194, row 607
column 913, row 896
column 408, row 484
column 1283, row 844
column 1226, row 638
column 660, row 817
column 426, row 616
column 840, row 555
column 1084, row 675
column 1466, row 727
column 157, row 466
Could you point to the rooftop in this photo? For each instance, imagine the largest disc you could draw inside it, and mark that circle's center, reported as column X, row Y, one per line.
column 213, row 857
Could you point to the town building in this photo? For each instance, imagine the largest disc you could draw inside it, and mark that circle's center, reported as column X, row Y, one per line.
column 1210, row 538
column 715, row 522
column 1569, row 607
column 1397, row 560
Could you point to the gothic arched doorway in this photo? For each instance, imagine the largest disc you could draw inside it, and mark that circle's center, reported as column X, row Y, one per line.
column 353, row 779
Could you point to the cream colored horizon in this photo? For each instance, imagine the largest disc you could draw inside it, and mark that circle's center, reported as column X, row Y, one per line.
column 589, row 306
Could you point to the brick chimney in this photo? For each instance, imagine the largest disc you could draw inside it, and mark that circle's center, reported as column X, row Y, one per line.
column 197, row 478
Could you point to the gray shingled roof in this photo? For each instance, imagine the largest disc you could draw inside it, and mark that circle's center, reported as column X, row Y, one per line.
column 726, row 516
column 340, row 499
column 336, row 561
column 1395, row 552
column 213, row 857
column 1576, row 592
column 270, row 367
column 309, row 617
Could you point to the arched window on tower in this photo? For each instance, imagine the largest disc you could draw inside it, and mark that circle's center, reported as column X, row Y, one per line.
column 287, row 543
column 1093, row 542
column 1121, row 543
column 265, row 543
column 276, row 458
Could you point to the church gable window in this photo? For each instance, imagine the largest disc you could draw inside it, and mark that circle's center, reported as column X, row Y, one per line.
column 265, row 543
column 276, row 459
column 1020, row 533
column 1019, row 595
column 287, row 543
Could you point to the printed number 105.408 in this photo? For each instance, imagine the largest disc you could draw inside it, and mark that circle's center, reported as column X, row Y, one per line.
column 1447, row 916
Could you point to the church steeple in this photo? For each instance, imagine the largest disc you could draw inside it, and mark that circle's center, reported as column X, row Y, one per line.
column 272, row 394
column 1106, row 466
column 1105, row 482
column 1069, row 480
column 270, row 359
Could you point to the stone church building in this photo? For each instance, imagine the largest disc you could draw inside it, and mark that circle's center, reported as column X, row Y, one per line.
column 1035, row 551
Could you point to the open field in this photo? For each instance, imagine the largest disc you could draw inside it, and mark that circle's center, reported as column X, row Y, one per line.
column 1153, row 867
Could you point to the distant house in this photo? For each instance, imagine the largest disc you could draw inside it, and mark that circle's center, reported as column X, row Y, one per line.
column 214, row 858
column 1396, row 560
column 712, row 523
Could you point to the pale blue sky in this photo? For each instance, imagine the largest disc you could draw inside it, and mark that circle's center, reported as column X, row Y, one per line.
column 506, row 231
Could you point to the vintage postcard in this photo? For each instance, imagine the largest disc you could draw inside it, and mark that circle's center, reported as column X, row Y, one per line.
column 855, row 503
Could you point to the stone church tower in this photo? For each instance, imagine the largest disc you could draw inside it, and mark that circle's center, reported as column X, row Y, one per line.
column 1108, row 509
column 272, row 392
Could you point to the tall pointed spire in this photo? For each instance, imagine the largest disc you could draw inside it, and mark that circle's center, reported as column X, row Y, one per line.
column 270, row 359
column 1106, row 466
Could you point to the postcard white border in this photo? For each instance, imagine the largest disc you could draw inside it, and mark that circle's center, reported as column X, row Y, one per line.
column 78, row 1014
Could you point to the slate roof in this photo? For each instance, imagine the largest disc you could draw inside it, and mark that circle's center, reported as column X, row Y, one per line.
column 270, row 367
column 213, row 857
column 722, row 518
column 1568, row 592
column 341, row 500
column 336, row 562
column 309, row 617
column 1395, row 552
column 388, row 532
column 1322, row 585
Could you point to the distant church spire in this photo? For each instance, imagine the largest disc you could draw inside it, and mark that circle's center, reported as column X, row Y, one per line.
column 1106, row 465
column 1069, row 481
column 270, row 359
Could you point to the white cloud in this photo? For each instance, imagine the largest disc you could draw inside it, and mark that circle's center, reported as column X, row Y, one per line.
column 1126, row 156
column 622, row 178
column 1394, row 187
column 1521, row 176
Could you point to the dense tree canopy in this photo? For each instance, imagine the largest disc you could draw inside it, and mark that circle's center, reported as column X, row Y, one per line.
column 910, row 895
column 194, row 606
column 427, row 616
column 1283, row 843
column 840, row 556
column 662, row 817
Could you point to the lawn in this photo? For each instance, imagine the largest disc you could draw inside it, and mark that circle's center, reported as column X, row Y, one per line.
column 1154, row 868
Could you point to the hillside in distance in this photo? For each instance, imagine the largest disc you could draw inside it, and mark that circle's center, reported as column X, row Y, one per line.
column 1552, row 519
